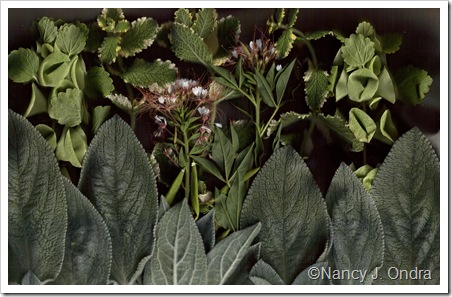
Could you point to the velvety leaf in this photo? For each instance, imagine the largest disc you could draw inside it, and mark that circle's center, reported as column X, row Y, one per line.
column 100, row 115
column 205, row 21
column 53, row 69
column 357, row 50
column 47, row 30
column 316, row 274
column 67, row 107
column 188, row 46
column 98, row 83
column 282, row 81
column 143, row 74
column 183, row 16
column 225, row 257
column 413, row 83
column 109, row 49
column 357, row 228
column 285, row 43
column 362, row 85
column 241, row 273
column 23, row 65
column 286, row 200
column 38, row 102
column 72, row 146
column 48, row 134
column 361, row 124
column 316, row 88
column 70, row 39
column 341, row 129
column 206, row 226
column 263, row 274
column 386, row 86
column 407, row 193
column 179, row 257
column 37, row 211
column 140, row 36
column 30, row 279
column 391, row 42
column 118, row 179
column 87, row 259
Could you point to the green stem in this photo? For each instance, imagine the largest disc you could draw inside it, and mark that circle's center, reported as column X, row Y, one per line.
column 308, row 134
column 269, row 121
column 133, row 120
column 187, row 165
column 307, row 42
column 257, row 108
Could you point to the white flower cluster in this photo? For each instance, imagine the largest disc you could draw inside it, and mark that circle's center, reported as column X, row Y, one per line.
column 199, row 92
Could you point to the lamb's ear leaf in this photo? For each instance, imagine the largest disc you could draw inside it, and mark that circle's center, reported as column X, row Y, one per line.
column 242, row 273
column 118, row 179
column 263, row 274
column 320, row 278
column 177, row 241
column 88, row 255
column 37, row 211
column 225, row 257
column 286, row 200
column 30, row 279
column 407, row 194
column 357, row 228
column 206, row 226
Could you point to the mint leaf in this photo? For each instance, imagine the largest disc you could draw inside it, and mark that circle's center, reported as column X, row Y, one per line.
column 183, row 16
column 122, row 26
column 98, row 83
column 139, row 37
column 205, row 21
column 66, row 107
column 72, row 146
column 47, row 30
column 285, row 43
column 362, row 125
column 70, row 39
column 23, row 65
column 316, row 88
column 188, row 46
column 144, row 74
column 109, row 49
column 413, row 83
column 357, row 50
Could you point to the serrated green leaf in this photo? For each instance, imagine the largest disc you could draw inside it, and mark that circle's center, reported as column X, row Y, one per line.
column 225, row 257
column 413, row 83
column 47, row 30
column 340, row 127
column 282, row 81
column 144, row 74
column 54, row 69
column 366, row 29
column 72, row 146
column 292, row 14
column 66, row 107
column 37, row 212
column 87, row 259
column 100, row 115
column 361, row 124
column 362, row 85
column 23, row 65
column 108, row 51
column 264, row 89
column 285, row 188
column 183, row 16
column 285, row 43
column 280, row 13
column 140, row 36
column 306, row 277
column 121, row 102
column 98, row 83
column 206, row 226
column 407, row 193
column 356, row 226
column 188, row 46
column 390, row 42
column 70, row 39
column 285, row 120
column 122, row 26
column 205, row 22
column 263, row 274
column 179, row 257
column 357, row 50
column 116, row 14
column 316, row 88
column 118, row 179
column 48, row 134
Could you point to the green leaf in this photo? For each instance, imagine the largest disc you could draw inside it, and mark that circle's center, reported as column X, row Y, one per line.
column 306, row 277
column 72, row 146
column 206, row 226
column 413, row 83
column 228, row 33
column 87, row 259
column 118, row 179
column 263, row 274
column 98, row 83
column 209, row 167
column 116, row 14
column 47, row 30
column 407, row 193
column 100, row 115
column 285, row 43
column 222, row 152
column 357, row 228
column 37, row 218
column 317, row 35
column 66, row 107
column 121, row 101
column 341, row 129
column 387, row 131
column 78, row 72
column 48, row 134
column 109, row 49
column 286, row 200
column 38, row 102
column 375, row 65
column 366, row 29
column 283, row 80
column 179, row 257
column 95, row 38
column 205, row 21
column 122, row 26
column 30, row 279
column 143, row 74
column 224, row 259
column 264, row 89
column 292, row 14
column 54, row 69
column 361, row 124
column 362, row 85
column 139, row 37
column 342, row 86
column 183, row 16
column 316, row 88
column 188, row 46
column 70, row 39
column 280, row 13
column 386, row 86
column 23, row 65
column 357, row 50
column 391, row 42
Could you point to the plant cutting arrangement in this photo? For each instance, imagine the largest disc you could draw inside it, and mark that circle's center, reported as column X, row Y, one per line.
column 198, row 166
